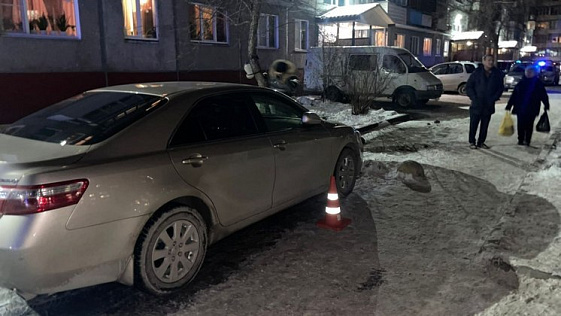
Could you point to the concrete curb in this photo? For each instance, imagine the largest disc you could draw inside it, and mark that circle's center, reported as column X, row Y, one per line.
column 377, row 126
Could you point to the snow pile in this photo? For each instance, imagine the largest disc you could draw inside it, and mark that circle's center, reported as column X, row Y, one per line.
column 14, row 305
column 342, row 113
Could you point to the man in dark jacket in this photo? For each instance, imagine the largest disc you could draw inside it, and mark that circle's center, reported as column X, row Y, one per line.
column 526, row 100
column 484, row 87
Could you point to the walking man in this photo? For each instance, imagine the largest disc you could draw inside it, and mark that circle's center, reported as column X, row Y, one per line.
column 526, row 99
column 484, row 88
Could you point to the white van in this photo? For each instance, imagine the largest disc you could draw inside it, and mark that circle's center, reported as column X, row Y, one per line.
column 341, row 71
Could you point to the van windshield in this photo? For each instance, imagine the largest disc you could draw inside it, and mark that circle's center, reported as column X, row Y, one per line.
column 412, row 63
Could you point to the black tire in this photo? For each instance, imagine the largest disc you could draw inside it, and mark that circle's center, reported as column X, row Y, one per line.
column 333, row 93
column 462, row 89
column 179, row 256
column 346, row 172
column 405, row 99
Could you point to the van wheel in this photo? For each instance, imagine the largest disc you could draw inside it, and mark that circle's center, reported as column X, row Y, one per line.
column 170, row 251
column 405, row 99
column 333, row 94
column 462, row 89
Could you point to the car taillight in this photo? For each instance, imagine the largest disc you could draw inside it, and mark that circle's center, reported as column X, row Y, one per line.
column 20, row 200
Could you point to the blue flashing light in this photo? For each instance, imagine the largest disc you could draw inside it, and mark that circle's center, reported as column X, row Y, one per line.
column 541, row 63
column 518, row 61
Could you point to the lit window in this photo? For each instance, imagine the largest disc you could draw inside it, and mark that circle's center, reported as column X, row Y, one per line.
column 380, row 39
column 39, row 17
column 446, row 44
column 400, row 41
column 140, row 18
column 427, row 46
column 267, row 31
column 414, row 45
column 301, row 35
column 438, row 46
column 207, row 24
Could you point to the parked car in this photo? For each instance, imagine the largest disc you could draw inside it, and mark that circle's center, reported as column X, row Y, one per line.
column 131, row 183
column 515, row 74
column 454, row 75
column 398, row 74
column 549, row 74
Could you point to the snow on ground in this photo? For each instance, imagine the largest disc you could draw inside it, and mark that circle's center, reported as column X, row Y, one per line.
column 516, row 170
column 342, row 113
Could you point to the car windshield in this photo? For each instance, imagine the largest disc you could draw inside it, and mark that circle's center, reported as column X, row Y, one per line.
column 518, row 68
column 412, row 63
column 84, row 119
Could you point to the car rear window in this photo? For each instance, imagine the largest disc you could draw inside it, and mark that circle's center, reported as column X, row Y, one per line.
column 85, row 119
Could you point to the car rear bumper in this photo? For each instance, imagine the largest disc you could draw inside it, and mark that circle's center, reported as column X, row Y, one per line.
column 39, row 255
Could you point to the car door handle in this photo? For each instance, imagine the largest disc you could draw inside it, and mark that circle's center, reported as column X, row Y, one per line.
column 280, row 145
column 195, row 160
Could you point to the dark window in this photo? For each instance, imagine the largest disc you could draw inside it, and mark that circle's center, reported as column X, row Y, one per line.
column 85, row 119
column 278, row 114
column 218, row 117
column 363, row 62
column 455, row 69
column 440, row 70
column 470, row 68
column 393, row 64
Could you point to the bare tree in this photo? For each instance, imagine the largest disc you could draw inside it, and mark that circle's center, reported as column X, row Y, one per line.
column 496, row 18
column 366, row 83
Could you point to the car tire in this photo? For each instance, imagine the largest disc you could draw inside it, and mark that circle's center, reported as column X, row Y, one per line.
column 333, row 93
column 462, row 89
column 346, row 172
column 405, row 99
column 170, row 251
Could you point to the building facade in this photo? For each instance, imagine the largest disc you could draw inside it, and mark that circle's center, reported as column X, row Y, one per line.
column 545, row 28
column 406, row 24
column 53, row 49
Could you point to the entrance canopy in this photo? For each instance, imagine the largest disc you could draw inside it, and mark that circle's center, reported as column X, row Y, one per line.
column 370, row 13
column 462, row 36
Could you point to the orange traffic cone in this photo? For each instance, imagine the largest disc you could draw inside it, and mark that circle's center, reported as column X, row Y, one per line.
column 333, row 219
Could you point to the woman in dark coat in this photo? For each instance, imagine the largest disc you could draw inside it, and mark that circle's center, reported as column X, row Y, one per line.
column 526, row 100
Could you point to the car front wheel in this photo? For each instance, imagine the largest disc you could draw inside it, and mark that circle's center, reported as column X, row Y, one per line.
column 170, row 251
column 346, row 172
column 405, row 99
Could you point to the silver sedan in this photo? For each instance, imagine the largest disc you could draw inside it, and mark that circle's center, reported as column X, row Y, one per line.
column 132, row 183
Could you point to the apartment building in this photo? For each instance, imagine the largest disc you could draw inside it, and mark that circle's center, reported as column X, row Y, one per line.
column 403, row 23
column 53, row 49
column 546, row 24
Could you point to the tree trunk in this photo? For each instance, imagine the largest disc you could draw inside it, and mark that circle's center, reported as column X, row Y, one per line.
column 252, row 43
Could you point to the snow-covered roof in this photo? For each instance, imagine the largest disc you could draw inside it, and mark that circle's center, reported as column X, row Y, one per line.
column 508, row 44
column 473, row 35
column 369, row 13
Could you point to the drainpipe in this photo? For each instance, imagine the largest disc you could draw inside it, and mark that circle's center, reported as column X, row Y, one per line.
column 102, row 44
column 353, row 35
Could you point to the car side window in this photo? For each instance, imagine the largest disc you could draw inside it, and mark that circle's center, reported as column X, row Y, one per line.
column 469, row 68
column 440, row 70
column 455, row 69
column 278, row 114
column 393, row 64
column 217, row 117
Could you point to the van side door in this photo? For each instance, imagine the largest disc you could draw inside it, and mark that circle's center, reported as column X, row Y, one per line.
column 362, row 74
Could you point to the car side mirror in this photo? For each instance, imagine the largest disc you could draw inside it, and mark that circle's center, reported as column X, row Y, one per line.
column 310, row 118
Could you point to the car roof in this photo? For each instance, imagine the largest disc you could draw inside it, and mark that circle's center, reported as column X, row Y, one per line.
column 169, row 87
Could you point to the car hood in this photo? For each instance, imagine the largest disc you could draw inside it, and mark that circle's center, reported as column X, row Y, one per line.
column 19, row 154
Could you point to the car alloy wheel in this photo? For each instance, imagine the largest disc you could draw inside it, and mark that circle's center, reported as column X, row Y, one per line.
column 346, row 171
column 462, row 89
column 170, row 250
